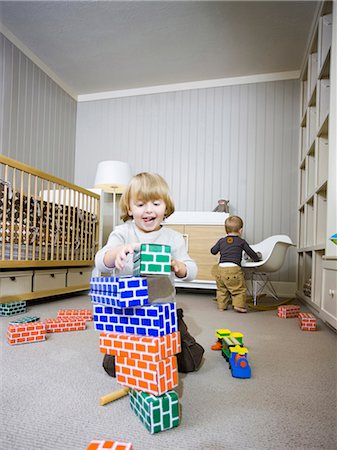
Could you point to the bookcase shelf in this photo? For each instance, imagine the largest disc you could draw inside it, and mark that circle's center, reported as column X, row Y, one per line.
column 317, row 164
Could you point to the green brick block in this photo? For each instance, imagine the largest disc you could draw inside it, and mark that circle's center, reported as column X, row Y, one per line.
column 157, row 413
column 152, row 259
column 10, row 309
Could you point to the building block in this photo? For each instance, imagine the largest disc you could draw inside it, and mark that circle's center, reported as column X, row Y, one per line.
column 155, row 320
column 65, row 323
column 157, row 413
column 145, row 348
column 288, row 311
column 152, row 259
column 151, row 377
column 26, row 333
column 120, row 292
column 25, row 319
column 307, row 321
column 86, row 314
column 239, row 362
column 10, row 309
column 111, row 445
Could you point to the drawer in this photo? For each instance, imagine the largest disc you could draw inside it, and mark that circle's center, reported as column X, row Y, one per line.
column 46, row 280
column 14, row 283
column 78, row 276
column 329, row 295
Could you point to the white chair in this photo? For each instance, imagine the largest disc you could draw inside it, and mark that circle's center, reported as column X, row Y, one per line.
column 273, row 251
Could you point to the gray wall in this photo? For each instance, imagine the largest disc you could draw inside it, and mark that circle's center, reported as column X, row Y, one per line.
column 37, row 118
column 237, row 142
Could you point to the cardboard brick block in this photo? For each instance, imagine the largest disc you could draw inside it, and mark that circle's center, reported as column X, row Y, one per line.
column 151, row 377
column 111, row 445
column 120, row 292
column 86, row 314
column 65, row 323
column 156, row 319
column 10, row 309
column 145, row 348
column 307, row 321
column 152, row 259
column 26, row 333
column 157, row 413
column 288, row 311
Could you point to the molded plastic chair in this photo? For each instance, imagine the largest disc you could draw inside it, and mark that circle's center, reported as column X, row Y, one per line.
column 273, row 251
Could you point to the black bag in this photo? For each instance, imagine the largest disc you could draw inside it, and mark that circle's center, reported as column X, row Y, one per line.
column 190, row 357
column 109, row 365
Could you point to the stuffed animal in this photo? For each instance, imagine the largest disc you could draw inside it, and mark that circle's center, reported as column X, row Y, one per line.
column 222, row 206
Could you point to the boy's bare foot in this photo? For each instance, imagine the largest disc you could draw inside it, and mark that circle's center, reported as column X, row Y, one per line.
column 240, row 310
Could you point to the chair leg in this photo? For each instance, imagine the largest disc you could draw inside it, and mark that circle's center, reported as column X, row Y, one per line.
column 260, row 281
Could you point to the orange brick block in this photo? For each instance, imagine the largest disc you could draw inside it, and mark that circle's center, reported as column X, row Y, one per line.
column 152, row 377
column 145, row 348
column 60, row 324
column 84, row 313
column 288, row 311
column 307, row 321
column 112, row 445
column 26, row 333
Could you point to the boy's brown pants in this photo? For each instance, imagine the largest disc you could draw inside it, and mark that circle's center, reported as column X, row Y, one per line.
column 230, row 283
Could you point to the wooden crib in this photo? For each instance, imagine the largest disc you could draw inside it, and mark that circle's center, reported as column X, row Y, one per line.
column 49, row 231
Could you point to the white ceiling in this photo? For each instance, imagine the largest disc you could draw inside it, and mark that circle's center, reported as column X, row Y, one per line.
column 98, row 46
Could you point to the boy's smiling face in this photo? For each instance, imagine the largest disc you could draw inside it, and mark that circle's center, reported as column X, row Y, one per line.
column 148, row 215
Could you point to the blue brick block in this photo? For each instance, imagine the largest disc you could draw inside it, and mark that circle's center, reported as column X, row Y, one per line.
column 155, row 320
column 120, row 292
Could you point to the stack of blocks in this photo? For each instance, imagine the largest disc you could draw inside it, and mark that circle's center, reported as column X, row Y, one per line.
column 143, row 337
column 28, row 329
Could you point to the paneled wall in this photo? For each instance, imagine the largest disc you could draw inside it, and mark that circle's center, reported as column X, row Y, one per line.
column 37, row 118
column 235, row 142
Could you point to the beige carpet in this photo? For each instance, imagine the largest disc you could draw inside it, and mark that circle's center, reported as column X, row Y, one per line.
column 50, row 390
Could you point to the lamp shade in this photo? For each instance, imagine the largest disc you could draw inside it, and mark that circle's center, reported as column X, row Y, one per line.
column 112, row 176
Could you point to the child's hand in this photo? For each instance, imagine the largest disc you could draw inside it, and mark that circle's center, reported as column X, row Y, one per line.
column 122, row 254
column 179, row 268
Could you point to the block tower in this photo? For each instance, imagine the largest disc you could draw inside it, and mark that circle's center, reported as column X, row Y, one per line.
column 143, row 337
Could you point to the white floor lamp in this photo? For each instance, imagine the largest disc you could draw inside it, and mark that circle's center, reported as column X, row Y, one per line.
column 112, row 177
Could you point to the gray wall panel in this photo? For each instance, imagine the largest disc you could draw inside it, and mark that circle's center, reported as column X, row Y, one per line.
column 234, row 142
column 38, row 118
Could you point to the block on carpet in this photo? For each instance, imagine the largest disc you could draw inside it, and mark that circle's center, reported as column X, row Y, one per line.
column 288, row 311
column 10, row 309
column 86, row 314
column 25, row 319
column 25, row 333
column 157, row 413
column 65, row 323
column 112, row 445
column 307, row 321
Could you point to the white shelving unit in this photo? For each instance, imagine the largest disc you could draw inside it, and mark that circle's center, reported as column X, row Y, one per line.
column 317, row 208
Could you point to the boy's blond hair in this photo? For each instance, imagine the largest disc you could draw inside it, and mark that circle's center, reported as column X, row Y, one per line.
column 233, row 224
column 146, row 186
